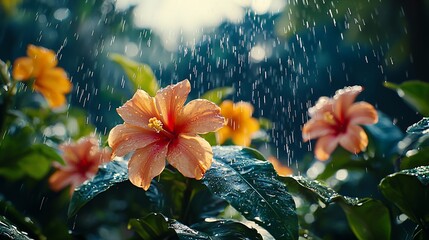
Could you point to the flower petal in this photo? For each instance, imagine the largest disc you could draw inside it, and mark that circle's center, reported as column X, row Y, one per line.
column 243, row 110
column 241, row 139
column 138, row 110
column 61, row 179
column 325, row 146
column 362, row 113
column 126, row 138
column 200, row 116
column 223, row 134
column 170, row 101
column 191, row 155
column 315, row 129
column 343, row 100
column 56, row 79
column 43, row 58
column 147, row 163
column 354, row 140
column 227, row 108
column 23, row 68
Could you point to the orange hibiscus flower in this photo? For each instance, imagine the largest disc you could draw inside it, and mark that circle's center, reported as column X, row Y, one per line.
column 336, row 121
column 162, row 128
column 281, row 169
column 82, row 160
column 240, row 126
column 49, row 80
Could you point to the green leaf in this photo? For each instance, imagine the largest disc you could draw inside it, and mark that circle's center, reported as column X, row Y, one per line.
column 157, row 226
column 227, row 229
column 46, row 151
column 409, row 191
column 250, row 186
column 416, row 159
column 108, row 175
column 368, row 218
column 21, row 222
column 10, row 231
column 421, row 127
column 34, row 165
column 218, row 94
column 415, row 93
column 152, row 226
column 140, row 75
column 383, row 136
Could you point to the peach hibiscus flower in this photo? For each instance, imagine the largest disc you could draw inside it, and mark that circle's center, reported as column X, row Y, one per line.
column 49, row 80
column 82, row 160
column 241, row 126
column 336, row 121
column 162, row 128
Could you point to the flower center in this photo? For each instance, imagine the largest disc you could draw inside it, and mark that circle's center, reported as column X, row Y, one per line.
column 339, row 125
column 155, row 124
column 329, row 118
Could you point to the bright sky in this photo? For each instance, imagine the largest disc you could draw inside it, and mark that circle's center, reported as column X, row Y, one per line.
column 184, row 21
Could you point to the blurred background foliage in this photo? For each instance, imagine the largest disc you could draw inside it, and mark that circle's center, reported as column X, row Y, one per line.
column 280, row 58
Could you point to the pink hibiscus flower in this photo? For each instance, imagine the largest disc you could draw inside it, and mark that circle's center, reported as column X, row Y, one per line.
column 336, row 121
column 82, row 160
column 162, row 128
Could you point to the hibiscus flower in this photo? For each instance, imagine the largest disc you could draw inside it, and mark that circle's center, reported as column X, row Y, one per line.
column 240, row 123
column 336, row 121
column 82, row 159
column 40, row 65
column 161, row 128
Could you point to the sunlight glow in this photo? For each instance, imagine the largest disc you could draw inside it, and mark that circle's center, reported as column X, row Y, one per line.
column 185, row 21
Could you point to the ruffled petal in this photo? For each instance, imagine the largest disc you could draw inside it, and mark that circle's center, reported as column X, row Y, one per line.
column 191, row 155
column 170, row 101
column 362, row 113
column 200, row 116
column 73, row 153
column 23, row 69
column 126, row 138
column 354, row 140
column 147, row 163
column 315, row 129
column 343, row 100
column 325, row 146
column 138, row 110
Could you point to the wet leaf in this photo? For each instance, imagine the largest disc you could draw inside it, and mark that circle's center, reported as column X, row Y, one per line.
column 409, row 191
column 421, row 127
column 383, row 136
column 417, row 159
column 218, row 94
column 250, row 185
column 140, row 74
column 152, row 226
column 415, row 93
column 108, row 175
column 21, row 222
column 10, row 231
column 157, row 226
column 368, row 218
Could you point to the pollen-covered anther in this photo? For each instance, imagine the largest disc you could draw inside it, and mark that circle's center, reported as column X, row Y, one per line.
column 155, row 124
column 329, row 118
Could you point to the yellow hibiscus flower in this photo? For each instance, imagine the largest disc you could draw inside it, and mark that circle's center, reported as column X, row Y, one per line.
column 240, row 123
column 51, row 81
